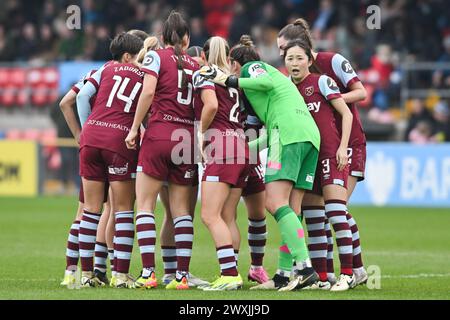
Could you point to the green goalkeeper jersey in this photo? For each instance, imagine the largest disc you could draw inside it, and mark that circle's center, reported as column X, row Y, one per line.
column 278, row 104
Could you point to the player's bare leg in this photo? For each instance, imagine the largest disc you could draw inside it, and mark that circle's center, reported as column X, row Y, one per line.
column 313, row 211
column 229, row 215
column 335, row 197
column 257, row 235
column 358, row 266
column 214, row 197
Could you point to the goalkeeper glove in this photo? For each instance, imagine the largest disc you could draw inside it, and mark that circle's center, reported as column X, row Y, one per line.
column 219, row 77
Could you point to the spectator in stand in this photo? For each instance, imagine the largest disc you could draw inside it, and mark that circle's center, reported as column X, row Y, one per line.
column 198, row 35
column 422, row 133
column 418, row 114
column 47, row 44
column 28, row 46
column 441, row 115
column 101, row 51
column 441, row 78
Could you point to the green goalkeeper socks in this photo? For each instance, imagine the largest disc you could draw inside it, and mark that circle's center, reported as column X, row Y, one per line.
column 292, row 235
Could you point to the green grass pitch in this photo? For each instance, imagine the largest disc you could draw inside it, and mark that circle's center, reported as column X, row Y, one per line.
column 409, row 245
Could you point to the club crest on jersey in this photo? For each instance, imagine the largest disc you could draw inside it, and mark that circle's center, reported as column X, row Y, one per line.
column 332, row 84
column 309, row 91
column 346, row 67
column 255, row 70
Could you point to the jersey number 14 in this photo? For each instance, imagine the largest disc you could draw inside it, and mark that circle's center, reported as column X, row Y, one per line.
column 123, row 83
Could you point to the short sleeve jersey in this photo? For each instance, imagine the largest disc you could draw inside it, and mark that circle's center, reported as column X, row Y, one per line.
column 228, row 120
column 171, row 108
column 340, row 70
column 118, row 89
column 318, row 90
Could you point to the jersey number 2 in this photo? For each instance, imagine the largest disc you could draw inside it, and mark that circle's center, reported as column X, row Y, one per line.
column 120, row 95
column 234, row 113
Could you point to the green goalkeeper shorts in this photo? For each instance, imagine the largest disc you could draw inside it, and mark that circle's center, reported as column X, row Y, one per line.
column 295, row 162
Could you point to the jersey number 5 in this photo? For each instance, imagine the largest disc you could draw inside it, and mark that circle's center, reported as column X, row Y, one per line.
column 188, row 100
column 120, row 95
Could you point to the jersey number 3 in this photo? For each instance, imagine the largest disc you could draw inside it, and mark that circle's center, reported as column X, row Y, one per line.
column 129, row 100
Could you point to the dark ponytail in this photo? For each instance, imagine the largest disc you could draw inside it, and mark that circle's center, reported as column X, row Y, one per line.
column 173, row 31
column 244, row 51
column 297, row 30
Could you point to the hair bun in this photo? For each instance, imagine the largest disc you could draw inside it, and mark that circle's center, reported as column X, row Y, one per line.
column 246, row 40
column 301, row 22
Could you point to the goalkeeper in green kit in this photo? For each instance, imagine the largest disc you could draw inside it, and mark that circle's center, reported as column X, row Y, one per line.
column 293, row 142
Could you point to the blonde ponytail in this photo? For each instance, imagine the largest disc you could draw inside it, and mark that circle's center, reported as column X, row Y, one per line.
column 151, row 43
column 217, row 50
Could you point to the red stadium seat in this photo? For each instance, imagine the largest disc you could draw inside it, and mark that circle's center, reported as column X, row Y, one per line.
column 39, row 95
column 14, row 134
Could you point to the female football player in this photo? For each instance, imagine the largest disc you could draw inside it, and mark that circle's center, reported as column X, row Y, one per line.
column 340, row 70
column 293, row 148
column 103, row 157
column 167, row 148
column 323, row 98
column 226, row 165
